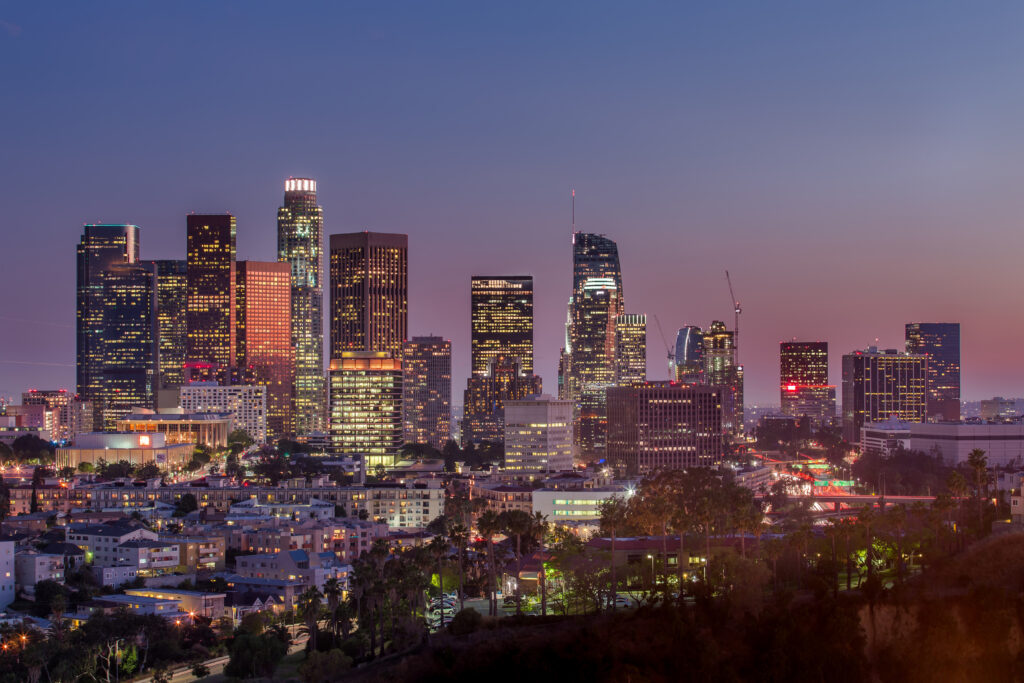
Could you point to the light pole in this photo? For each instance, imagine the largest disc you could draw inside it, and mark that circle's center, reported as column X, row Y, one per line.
column 651, row 558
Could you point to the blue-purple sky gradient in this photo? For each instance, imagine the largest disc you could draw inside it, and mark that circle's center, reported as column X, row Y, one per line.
column 854, row 166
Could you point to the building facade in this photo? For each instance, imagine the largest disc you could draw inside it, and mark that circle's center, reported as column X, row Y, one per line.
column 878, row 385
column 722, row 370
column 803, row 382
column 664, row 425
column 538, row 434
column 1003, row 443
column 210, row 282
column 427, row 391
column 369, row 292
column 246, row 403
column 483, row 416
column 264, row 337
column 688, row 358
column 366, row 407
column 171, row 307
column 69, row 414
column 941, row 343
column 300, row 244
column 501, row 311
column 630, row 349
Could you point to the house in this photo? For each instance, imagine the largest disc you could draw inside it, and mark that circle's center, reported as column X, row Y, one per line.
column 73, row 556
column 150, row 557
column 32, row 566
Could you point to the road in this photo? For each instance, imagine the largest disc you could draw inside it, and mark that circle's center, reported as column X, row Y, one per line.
column 183, row 674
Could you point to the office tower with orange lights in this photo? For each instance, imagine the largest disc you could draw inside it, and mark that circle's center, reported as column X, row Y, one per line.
column 264, row 337
column 369, row 292
column 366, row 407
column 300, row 244
column 803, row 382
column 427, row 390
column 210, row 283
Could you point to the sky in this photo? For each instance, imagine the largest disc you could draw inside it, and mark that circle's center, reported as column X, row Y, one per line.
column 855, row 166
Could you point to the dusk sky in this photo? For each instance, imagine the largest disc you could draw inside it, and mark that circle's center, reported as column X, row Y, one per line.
column 854, row 166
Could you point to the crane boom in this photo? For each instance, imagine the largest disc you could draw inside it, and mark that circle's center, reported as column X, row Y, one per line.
column 736, row 316
column 668, row 349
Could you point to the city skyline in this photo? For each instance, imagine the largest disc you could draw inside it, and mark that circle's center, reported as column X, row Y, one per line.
column 674, row 215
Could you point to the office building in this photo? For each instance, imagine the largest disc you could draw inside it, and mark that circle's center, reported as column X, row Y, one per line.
column 878, row 385
column 100, row 248
column 953, row 442
column 69, row 414
column 664, row 425
column 210, row 282
column 994, row 409
column 366, row 407
column 369, row 292
column 595, row 308
column 941, row 343
column 427, row 391
column 538, row 434
column 722, row 370
column 485, row 397
column 246, row 403
column 886, row 438
column 264, row 337
column 688, row 359
column 130, row 356
column 803, row 382
column 502, row 321
column 630, row 349
column 300, row 240
column 171, row 305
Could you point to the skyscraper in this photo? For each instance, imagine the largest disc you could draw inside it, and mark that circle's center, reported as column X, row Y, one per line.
column 366, row 407
column 210, row 279
column 721, row 370
column 300, row 238
column 369, row 292
column 101, row 247
column 878, row 385
column 689, row 355
column 502, row 321
column 803, row 382
column 630, row 349
column 941, row 343
column 130, row 356
column 427, row 390
column 171, row 304
column 264, row 339
column 483, row 403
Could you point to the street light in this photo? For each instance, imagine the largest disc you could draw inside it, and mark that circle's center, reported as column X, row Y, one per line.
column 651, row 558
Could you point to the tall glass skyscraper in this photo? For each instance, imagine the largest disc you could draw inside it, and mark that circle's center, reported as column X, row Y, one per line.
column 300, row 237
column 721, row 369
column 941, row 343
column 502, row 321
column 101, row 247
column 689, row 355
column 210, row 279
column 171, row 304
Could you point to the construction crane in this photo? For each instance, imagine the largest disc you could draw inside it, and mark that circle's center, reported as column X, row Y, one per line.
column 668, row 351
column 736, row 320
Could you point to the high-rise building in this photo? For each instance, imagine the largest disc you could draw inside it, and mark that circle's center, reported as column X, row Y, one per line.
column 878, row 385
column 427, row 390
column 483, row 415
column 366, row 407
column 369, row 292
column 941, row 343
column 101, row 247
column 803, row 382
column 664, row 425
column 688, row 358
column 590, row 360
column 70, row 414
column 246, row 403
column 502, row 321
column 722, row 370
column 538, row 435
column 630, row 349
column 263, row 336
column 300, row 239
column 210, row 280
column 171, row 304
column 130, row 355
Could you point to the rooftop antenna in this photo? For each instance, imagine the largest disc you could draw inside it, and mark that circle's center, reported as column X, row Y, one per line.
column 574, row 209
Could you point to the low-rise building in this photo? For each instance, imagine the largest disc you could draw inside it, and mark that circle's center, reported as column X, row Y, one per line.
column 1002, row 442
column 49, row 498
column 7, row 572
column 209, row 429
column 885, row 438
column 198, row 603
column 309, row 569
column 32, row 566
column 114, row 577
column 501, row 497
column 136, row 447
column 151, row 557
column 314, row 509
column 101, row 542
column 574, row 505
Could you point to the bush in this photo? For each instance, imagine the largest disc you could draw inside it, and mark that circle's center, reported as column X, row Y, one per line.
column 465, row 622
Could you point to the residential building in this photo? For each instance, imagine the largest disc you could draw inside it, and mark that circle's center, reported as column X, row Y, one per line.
column 574, row 505
column 803, row 382
column 880, row 384
column 151, row 557
column 264, row 338
column 366, row 407
column 501, row 497
column 102, row 542
column 7, row 574
column 32, row 566
column 664, row 425
column 314, row 509
column 427, row 391
column 210, row 281
column 300, row 244
column 309, row 569
column 538, row 434
column 941, row 343
column 246, row 403
column 69, row 414
column 369, row 293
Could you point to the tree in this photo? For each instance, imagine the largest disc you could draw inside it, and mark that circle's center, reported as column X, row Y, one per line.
column 977, row 462
column 323, row 667
column 489, row 526
column 149, row 471
column 86, row 467
column 438, row 548
column 309, row 608
column 186, row 504
column 200, row 670
column 254, row 656
column 239, row 440
column 538, row 532
column 614, row 513
column 459, row 536
column 517, row 523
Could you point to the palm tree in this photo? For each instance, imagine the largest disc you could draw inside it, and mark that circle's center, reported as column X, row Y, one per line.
column 309, row 607
column 978, row 464
column 517, row 523
column 539, row 531
column 332, row 591
column 896, row 517
column 438, row 547
column 613, row 513
column 459, row 536
column 957, row 486
column 866, row 518
column 489, row 525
